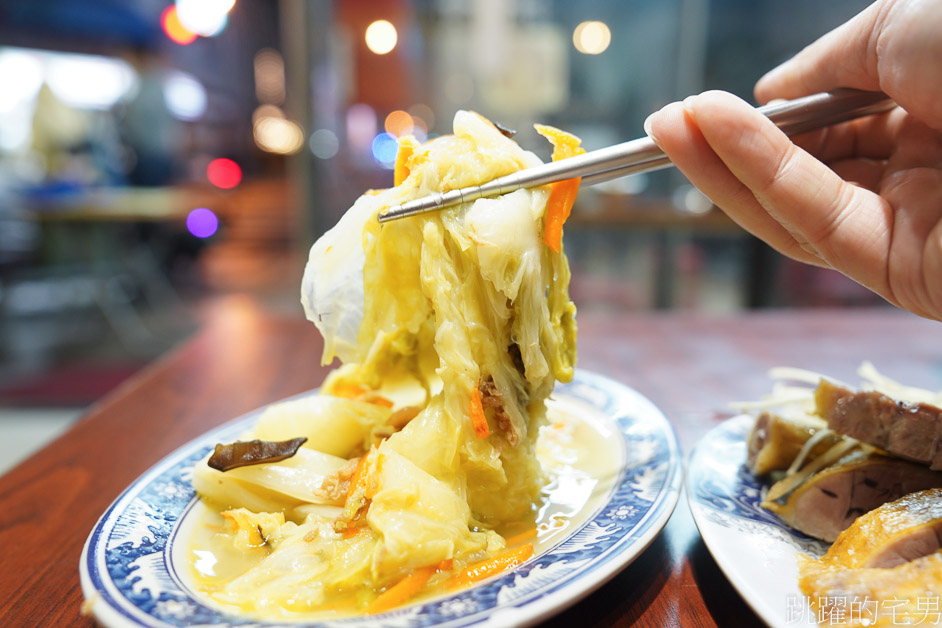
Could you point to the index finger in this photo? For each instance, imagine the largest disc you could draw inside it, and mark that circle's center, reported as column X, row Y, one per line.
column 843, row 224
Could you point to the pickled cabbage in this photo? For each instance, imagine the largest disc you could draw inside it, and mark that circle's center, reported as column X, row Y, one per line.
column 425, row 313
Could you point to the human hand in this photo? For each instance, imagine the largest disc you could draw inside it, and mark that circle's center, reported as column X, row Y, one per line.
column 864, row 197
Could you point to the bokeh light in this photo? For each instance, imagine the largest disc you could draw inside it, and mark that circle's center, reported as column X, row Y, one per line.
column 385, row 147
column 77, row 81
column 202, row 222
column 269, row 76
column 691, row 199
column 398, row 123
column 266, row 111
column 278, row 135
column 419, row 131
column 204, row 17
column 184, row 96
column 361, row 126
column 381, row 37
column 592, row 37
column 224, row 173
column 177, row 32
column 89, row 81
column 324, row 143
column 424, row 113
column 21, row 74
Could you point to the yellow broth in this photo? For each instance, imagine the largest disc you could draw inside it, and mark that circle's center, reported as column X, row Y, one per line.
column 581, row 454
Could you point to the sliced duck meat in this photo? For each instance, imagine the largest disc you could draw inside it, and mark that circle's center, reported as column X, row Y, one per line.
column 894, row 533
column 881, row 598
column 891, row 554
column 775, row 442
column 908, row 430
column 826, row 502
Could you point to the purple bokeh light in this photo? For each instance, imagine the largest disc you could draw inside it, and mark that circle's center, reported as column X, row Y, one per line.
column 202, row 222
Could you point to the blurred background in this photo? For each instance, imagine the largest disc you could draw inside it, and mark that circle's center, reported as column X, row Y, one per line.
column 159, row 157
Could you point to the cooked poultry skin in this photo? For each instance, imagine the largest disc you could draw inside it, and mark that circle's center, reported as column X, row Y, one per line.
column 775, row 441
column 889, row 554
column 894, row 533
column 830, row 500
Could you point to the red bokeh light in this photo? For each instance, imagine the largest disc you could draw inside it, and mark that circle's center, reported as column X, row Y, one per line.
column 176, row 31
column 224, row 173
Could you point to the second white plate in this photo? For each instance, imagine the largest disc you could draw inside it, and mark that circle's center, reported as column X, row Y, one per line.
column 752, row 546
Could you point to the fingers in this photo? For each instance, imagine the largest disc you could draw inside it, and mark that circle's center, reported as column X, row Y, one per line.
column 932, row 268
column 845, row 57
column 773, row 188
column 873, row 137
column 892, row 46
column 918, row 146
column 835, row 220
column 915, row 262
column 909, row 49
column 679, row 136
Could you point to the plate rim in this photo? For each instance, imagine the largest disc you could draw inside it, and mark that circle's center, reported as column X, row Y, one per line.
column 523, row 611
column 752, row 596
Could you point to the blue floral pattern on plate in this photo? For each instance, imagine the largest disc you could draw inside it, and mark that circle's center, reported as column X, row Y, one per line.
column 719, row 481
column 753, row 547
column 129, row 575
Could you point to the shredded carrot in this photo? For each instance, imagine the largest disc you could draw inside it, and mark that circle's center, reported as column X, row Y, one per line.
column 350, row 390
column 562, row 197
column 401, row 170
column 486, row 568
column 347, row 390
column 402, row 591
column 358, row 479
column 378, row 400
column 520, row 537
column 562, row 193
column 445, row 565
column 352, row 531
column 360, row 491
column 476, row 412
column 563, row 143
column 378, row 472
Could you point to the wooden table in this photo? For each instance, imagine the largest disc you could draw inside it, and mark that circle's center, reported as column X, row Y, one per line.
column 689, row 365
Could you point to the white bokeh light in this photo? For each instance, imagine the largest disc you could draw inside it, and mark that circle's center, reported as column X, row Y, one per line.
column 204, row 17
column 21, row 74
column 89, row 82
column 592, row 38
column 381, row 37
column 185, row 96
column 278, row 135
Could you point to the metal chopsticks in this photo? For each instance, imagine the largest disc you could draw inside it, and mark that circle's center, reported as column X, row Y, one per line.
column 642, row 155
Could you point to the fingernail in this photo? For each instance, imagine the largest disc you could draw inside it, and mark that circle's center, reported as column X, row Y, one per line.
column 647, row 125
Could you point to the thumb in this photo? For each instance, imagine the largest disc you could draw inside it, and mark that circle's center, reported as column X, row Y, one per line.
column 843, row 57
column 892, row 46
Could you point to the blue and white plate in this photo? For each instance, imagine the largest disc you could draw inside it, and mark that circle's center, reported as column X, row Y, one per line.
column 133, row 576
column 752, row 546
